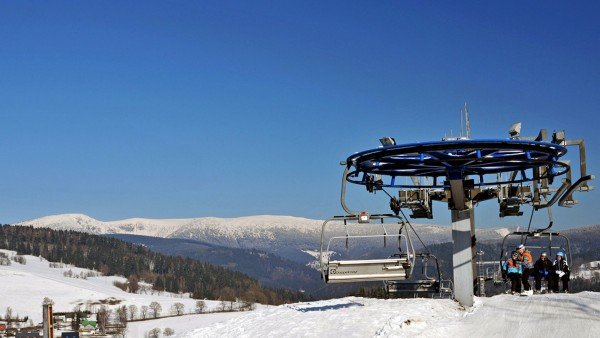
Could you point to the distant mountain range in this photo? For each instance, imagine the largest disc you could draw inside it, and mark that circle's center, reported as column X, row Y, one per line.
column 286, row 236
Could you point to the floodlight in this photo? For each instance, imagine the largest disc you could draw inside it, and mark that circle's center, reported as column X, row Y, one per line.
column 387, row 141
column 558, row 137
column 515, row 130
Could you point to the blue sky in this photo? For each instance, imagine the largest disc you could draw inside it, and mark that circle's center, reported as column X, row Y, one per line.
column 187, row 109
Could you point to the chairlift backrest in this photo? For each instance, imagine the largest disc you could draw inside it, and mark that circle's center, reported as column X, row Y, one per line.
column 537, row 242
column 360, row 270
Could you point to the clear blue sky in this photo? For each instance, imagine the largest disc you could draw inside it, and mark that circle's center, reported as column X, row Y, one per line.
column 174, row 109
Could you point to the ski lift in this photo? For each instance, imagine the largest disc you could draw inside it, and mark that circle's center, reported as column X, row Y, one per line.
column 539, row 241
column 428, row 283
column 535, row 241
column 396, row 267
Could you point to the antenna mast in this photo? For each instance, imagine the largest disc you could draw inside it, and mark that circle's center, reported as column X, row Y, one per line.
column 467, row 124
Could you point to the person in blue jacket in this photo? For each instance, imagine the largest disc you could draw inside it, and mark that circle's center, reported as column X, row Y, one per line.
column 543, row 269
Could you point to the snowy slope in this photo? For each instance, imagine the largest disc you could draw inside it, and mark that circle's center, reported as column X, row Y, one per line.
column 23, row 288
column 556, row 315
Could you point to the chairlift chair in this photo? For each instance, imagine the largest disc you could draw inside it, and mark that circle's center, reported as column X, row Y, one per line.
column 423, row 284
column 397, row 267
column 538, row 241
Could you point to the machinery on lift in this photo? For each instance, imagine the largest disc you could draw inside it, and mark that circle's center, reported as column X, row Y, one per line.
column 460, row 172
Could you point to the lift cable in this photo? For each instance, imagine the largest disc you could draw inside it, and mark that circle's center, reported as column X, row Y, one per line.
column 410, row 225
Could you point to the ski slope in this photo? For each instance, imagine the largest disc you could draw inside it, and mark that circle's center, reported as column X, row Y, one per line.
column 554, row 315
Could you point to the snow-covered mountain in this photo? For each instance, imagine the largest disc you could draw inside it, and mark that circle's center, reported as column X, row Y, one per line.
column 285, row 236
column 194, row 228
column 261, row 231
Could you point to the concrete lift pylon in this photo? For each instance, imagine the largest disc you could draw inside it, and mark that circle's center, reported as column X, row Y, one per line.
column 462, row 173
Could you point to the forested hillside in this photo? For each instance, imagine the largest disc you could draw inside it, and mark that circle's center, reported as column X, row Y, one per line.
column 114, row 257
column 270, row 270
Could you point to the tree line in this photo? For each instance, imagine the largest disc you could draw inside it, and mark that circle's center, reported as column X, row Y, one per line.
column 111, row 256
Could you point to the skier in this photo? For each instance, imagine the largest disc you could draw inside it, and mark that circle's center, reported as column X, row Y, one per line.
column 527, row 261
column 543, row 269
column 514, row 270
column 562, row 272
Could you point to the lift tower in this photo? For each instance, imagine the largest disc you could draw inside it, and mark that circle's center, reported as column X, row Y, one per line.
column 463, row 172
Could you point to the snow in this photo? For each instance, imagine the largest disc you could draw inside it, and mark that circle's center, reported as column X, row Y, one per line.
column 589, row 270
column 179, row 324
column 262, row 226
column 503, row 232
column 551, row 315
column 23, row 288
column 346, row 317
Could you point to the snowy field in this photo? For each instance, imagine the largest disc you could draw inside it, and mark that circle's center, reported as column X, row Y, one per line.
column 23, row 288
column 555, row 315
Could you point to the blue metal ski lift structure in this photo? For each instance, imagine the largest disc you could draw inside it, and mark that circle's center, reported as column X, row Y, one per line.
column 462, row 173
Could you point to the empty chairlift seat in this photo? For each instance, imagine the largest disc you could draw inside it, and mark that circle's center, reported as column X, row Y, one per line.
column 396, row 268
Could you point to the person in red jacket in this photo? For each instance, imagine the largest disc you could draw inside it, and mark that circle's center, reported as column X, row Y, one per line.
column 527, row 260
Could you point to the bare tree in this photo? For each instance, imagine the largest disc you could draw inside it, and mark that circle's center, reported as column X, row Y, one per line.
column 156, row 309
column 133, row 283
column 178, row 309
column 8, row 316
column 102, row 319
column 200, row 306
column 168, row 331
column 9, row 313
column 144, row 311
column 122, row 314
column 132, row 311
column 154, row 333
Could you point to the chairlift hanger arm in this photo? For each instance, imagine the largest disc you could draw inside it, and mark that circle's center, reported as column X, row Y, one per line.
column 581, row 182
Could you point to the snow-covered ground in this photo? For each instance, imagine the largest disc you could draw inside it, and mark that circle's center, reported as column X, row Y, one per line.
column 553, row 315
column 24, row 287
column 179, row 324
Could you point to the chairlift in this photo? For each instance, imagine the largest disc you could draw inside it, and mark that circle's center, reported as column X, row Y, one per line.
column 427, row 283
column 537, row 242
column 395, row 267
